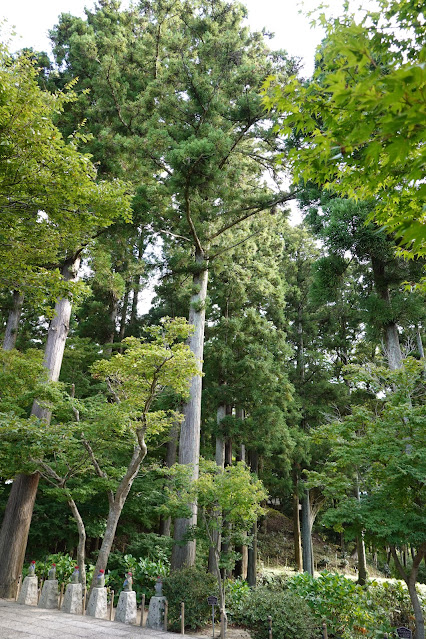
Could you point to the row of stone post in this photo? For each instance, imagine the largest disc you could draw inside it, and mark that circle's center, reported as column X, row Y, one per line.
column 98, row 606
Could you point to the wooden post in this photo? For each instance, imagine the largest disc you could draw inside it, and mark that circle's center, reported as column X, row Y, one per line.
column 111, row 609
column 324, row 630
column 182, row 618
column 142, row 609
column 18, row 587
column 166, row 612
column 269, row 627
column 61, row 595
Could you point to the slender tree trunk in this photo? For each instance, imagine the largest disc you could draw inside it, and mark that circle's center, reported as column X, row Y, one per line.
column 171, row 456
column 12, row 325
column 220, row 462
column 189, row 444
column 241, row 564
column 419, row 343
column 19, row 508
column 360, row 546
column 411, row 580
column 81, row 548
column 252, row 551
column 307, row 551
column 116, row 503
column 298, row 556
column 123, row 319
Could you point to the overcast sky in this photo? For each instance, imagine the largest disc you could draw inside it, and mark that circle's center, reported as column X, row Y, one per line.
column 33, row 19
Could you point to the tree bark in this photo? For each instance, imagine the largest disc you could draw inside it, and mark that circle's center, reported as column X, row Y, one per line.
column 189, row 443
column 81, row 548
column 19, row 508
column 307, row 551
column 116, row 503
column 360, row 546
column 298, row 556
column 252, row 551
column 123, row 319
column 411, row 580
column 12, row 325
column 220, row 462
column 393, row 347
column 419, row 343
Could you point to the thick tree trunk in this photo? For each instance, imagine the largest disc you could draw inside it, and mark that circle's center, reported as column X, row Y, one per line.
column 14, row 532
column 411, row 580
column 56, row 338
column 19, row 509
column 393, row 348
column 171, row 456
column 307, row 551
column 189, row 443
column 81, row 548
column 12, row 325
column 298, row 556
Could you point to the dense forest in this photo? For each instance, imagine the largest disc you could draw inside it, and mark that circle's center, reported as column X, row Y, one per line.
column 278, row 373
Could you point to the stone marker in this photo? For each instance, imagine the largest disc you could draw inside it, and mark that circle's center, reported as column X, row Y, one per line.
column 73, row 600
column 98, row 606
column 50, row 593
column 404, row 633
column 28, row 594
column 126, row 607
column 156, row 608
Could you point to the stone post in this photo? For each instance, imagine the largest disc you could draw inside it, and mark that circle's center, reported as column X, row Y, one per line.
column 98, row 606
column 50, row 593
column 28, row 594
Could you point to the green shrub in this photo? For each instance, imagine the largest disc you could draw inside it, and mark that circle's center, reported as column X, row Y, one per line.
column 192, row 586
column 64, row 567
column 349, row 610
column 291, row 617
column 144, row 570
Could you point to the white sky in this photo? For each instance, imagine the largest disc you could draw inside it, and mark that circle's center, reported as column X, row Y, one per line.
column 33, row 19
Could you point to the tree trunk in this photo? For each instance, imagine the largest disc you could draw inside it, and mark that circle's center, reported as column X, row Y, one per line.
column 220, row 462
column 252, row 551
column 393, row 348
column 12, row 325
column 189, row 443
column 116, row 503
column 298, row 556
column 171, row 455
column 360, row 546
column 81, row 548
column 411, row 580
column 56, row 338
column 419, row 343
column 123, row 319
column 307, row 551
column 19, row 508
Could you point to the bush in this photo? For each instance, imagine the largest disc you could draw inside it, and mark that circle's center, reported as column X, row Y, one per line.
column 192, row 586
column 144, row 570
column 291, row 617
column 64, row 567
column 350, row 610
